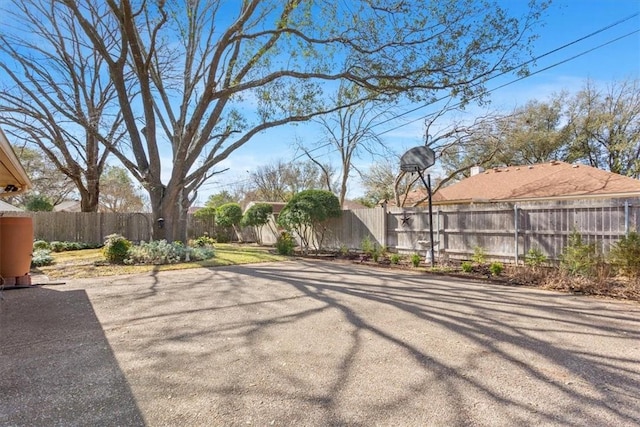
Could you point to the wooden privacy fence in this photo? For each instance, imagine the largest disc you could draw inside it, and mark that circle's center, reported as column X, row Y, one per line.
column 504, row 231
column 93, row 227
column 346, row 231
column 508, row 231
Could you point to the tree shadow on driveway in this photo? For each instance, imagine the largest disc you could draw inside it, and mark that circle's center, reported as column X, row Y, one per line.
column 322, row 343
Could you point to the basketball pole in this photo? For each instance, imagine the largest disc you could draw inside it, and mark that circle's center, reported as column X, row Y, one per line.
column 427, row 184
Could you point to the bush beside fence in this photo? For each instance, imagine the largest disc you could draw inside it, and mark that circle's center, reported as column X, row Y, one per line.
column 505, row 231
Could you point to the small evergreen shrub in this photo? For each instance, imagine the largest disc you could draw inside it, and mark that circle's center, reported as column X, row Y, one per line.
column 58, row 246
column 395, row 259
column 479, row 255
column 201, row 253
column 285, row 243
column 496, row 268
column 415, row 260
column 116, row 248
column 376, row 253
column 72, row 246
column 41, row 257
column 625, row 255
column 367, row 246
column 579, row 258
column 344, row 250
column 203, row 241
column 467, row 267
column 535, row 258
column 41, row 244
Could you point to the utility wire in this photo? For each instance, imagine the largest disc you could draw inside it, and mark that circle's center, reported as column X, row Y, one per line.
column 516, row 80
column 532, row 60
column 594, row 33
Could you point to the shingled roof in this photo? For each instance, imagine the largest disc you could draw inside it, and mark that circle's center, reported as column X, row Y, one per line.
column 544, row 181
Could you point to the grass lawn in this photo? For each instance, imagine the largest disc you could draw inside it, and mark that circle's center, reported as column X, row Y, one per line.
column 91, row 263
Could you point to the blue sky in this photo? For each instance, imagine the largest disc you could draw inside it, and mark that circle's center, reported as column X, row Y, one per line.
column 567, row 21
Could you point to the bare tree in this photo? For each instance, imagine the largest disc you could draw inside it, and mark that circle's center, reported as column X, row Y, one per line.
column 119, row 193
column 196, row 63
column 57, row 94
column 604, row 126
column 47, row 180
column 379, row 181
column 349, row 132
column 457, row 149
column 279, row 181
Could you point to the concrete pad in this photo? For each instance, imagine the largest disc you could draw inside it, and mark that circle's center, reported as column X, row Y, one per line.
column 56, row 365
column 316, row 344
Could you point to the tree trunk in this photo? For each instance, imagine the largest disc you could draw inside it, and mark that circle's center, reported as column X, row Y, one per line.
column 169, row 209
column 89, row 194
column 89, row 200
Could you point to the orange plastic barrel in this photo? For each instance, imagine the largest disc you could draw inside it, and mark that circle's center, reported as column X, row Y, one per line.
column 16, row 246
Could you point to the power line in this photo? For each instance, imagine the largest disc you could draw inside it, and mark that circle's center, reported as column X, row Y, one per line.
column 555, row 50
column 530, row 61
column 518, row 79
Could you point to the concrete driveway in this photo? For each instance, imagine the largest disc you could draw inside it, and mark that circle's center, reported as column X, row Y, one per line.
column 314, row 344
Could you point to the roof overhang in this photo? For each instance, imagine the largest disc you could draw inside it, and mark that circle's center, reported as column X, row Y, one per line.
column 13, row 178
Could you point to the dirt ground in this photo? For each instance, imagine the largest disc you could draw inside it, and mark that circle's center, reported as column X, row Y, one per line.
column 314, row 343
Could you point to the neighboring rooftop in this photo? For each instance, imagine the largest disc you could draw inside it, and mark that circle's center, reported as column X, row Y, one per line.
column 543, row 181
column 68, row 206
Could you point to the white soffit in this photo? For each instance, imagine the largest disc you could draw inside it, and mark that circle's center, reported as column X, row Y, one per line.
column 12, row 174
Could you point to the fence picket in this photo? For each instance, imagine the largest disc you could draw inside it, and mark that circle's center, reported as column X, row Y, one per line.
column 458, row 229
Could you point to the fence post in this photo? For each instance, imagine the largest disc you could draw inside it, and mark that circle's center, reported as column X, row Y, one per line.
column 438, row 231
column 384, row 225
column 515, row 226
column 626, row 217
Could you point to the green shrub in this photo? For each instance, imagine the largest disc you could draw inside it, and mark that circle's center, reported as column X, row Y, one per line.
column 285, row 243
column 625, row 255
column 344, row 250
column 367, row 245
column 415, row 260
column 202, row 253
column 116, row 248
column 376, row 253
column 579, row 258
column 203, row 241
column 257, row 215
column 41, row 244
column 57, row 246
column 479, row 255
column 72, row 246
column 41, row 257
column 157, row 252
column 496, row 268
column 467, row 267
column 395, row 259
column 535, row 258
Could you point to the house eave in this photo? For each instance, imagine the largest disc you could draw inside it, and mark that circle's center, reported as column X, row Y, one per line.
column 13, row 178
